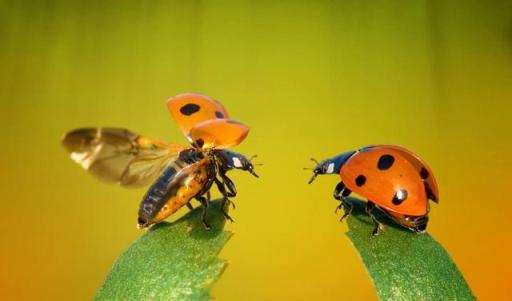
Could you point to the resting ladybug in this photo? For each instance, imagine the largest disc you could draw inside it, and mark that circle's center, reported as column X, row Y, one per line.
column 390, row 177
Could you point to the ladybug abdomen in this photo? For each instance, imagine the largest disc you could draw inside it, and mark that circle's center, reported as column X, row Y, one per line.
column 173, row 190
column 387, row 178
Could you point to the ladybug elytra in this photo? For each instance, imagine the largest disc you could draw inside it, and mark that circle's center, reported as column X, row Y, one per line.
column 392, row 179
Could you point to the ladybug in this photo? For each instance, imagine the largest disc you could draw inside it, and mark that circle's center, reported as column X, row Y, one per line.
column 392, row 179
column 179, row 173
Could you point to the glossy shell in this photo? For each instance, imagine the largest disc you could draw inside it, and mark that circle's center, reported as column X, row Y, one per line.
column 190, row 109
column 218, row 133
column 425, row 172
column 392, row 177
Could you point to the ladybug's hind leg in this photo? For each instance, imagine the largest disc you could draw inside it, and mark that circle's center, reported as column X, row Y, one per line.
column 369, row 208
column 341, row 193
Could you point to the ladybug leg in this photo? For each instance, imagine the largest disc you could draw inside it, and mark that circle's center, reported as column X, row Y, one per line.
column 204, row 202
column 225, row 204
column 338, row 190
column 225, row 200
column 341, row 193
column 229, row 184
column 347, row 210
column 208, row 195
column 369, row 207
column 230, row 187
column 347, row 207
column 190, row 207
column 337, row 195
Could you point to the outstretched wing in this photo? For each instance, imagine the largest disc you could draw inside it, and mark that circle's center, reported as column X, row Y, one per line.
column 116, row 155
column 218, row 133
column 190, row 109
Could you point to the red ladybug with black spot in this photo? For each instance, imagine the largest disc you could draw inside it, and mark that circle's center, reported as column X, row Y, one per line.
column 392, row 179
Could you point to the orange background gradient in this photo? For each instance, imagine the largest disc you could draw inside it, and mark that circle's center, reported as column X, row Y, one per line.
column 311, row 78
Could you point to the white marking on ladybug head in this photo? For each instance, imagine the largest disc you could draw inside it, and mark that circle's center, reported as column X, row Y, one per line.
column 330, row 168
column 236, row 162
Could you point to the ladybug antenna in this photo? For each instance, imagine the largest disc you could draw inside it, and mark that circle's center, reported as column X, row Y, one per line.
column 255, row 164
column 251, row 170
column 312, row 168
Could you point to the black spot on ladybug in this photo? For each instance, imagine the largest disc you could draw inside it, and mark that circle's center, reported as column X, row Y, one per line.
column 360, row 180
column 199, row 142
column 430, row 194
column 400, row 196
column 189, row 109
column 424, row 173
column 219, row 114
column 385, row 162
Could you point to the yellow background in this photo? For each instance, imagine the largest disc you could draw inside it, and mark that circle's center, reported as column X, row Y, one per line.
column 311, row 78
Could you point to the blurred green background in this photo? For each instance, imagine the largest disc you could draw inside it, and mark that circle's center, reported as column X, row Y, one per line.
column 311, row 78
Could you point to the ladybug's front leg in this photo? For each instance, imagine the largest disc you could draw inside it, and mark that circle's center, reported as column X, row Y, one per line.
column 229, row 184
column 225, row 200
column 229, row 187
column 341, row 193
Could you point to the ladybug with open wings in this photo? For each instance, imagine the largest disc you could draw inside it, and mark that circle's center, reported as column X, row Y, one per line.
column 392, row 178
column 178, row 173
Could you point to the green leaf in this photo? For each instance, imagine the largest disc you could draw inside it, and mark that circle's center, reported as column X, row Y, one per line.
column 172, row 261
column 404, row 265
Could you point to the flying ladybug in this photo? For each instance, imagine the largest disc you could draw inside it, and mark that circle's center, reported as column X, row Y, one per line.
column 178, row 173
column 392, row 179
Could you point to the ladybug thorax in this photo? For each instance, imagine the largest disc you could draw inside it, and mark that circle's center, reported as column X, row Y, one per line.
column 334, row 165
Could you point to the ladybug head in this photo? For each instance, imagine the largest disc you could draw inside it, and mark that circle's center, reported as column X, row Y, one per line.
column 321, row 168
column 234, row 160
column 247, row 165
column 330, row 166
